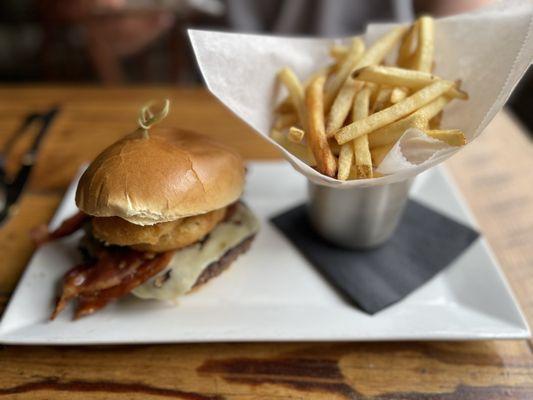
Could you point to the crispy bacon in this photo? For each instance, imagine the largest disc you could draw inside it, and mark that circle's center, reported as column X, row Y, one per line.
column 90, row 302
column 70, row 289
column 114, row 274
column 41, row 234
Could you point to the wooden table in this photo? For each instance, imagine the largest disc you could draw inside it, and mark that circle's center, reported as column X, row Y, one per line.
column 494, row 176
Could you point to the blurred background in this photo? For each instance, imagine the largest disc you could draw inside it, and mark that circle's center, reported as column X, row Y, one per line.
column 114, row 42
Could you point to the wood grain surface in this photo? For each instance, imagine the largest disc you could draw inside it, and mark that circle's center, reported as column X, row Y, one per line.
column 494, row 174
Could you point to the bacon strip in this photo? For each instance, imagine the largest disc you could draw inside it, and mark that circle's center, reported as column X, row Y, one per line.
column 91, row 302
column 41, row 234
column 106, row 271
column 116, row 273
column 70, row 289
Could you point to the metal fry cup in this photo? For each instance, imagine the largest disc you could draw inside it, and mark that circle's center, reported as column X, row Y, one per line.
column 357, row 218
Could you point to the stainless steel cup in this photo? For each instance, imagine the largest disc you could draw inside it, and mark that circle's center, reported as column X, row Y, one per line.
column 357, row 218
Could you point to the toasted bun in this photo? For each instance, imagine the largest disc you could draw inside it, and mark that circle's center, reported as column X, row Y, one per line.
column 168, row 175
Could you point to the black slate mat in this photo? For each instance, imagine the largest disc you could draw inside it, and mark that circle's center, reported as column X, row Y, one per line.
column 425, row 243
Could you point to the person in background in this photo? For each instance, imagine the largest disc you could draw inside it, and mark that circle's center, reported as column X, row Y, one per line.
column 109, row 33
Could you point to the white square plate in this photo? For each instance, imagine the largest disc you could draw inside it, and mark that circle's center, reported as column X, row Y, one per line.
column 272, row 293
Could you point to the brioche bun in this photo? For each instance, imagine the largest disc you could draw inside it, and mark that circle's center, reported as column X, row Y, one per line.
column 163, row 176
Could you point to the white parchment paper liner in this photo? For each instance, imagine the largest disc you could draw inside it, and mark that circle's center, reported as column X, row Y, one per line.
column 489, row 50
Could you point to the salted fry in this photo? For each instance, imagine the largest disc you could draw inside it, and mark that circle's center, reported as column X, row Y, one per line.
column 430, row 110
column 382, row 99
column 353, row 173
column 374, row 55
column 295, row 134
column 299, row 150
column 391, row 133
column 423, row 57
column 398, row 94
column 406, row 50
column 453, row 137
column 419, row 119
column 341, row 107
column 379, row 153
column 334, row 146
column 394, row 112
column 296, row 92
column 383, row 46
column 374, row 91
column 316, row 130
column 435, row 122
column 402, row 77
column 345, row 161
column 286, row 120
column 355, row 52
column 338, row 52
column 363, row 160
column 286, row 105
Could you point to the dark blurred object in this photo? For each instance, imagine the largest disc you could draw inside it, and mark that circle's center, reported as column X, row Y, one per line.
column 112, row 31
column 145, row 40
column 521, row 101
column 108, row 40
column 330, row 18
column 20, row 38
column 448, row 7
column 11, row 188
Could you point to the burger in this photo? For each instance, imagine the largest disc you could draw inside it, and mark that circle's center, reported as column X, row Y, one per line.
column 160, row 215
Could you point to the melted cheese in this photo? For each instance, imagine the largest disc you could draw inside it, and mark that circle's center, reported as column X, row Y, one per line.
column 189, row 263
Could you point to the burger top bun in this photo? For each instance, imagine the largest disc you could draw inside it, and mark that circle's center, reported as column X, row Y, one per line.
column 163, row 176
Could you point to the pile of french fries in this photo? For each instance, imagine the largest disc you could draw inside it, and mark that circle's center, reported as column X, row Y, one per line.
column 345, row 119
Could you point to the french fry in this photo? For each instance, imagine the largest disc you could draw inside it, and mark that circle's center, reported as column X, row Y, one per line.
column 353, row 173
column 296, row 92
column 398, row 94
column 434, row 123
column 316, row 130
column 345, row 161
column 423, row 57
column 363, row 160
column 379, row 50
column 295, row 135
column 453, row 137
column 430, row 110
column 405, row 53
column 391, row 133
column 334, row 146
column 419, row 119
column 285, row 120
column 341, row 107
column 374, row 55
column 286, row 105
column 379, row 153
column 382, row 99
column 355, row 52
column 299, row 150
column 338, row 52
column 402, row 77
column 394, row 112
column 374, row 91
